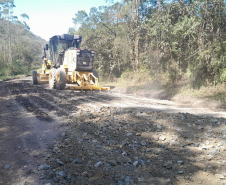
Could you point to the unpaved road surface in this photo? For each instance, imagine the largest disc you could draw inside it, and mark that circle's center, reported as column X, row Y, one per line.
column 63, row 137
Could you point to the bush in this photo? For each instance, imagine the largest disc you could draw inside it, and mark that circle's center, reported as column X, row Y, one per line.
column 223, row 75
column 15, row 68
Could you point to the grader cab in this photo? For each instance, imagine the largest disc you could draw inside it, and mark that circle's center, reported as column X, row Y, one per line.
column 69, row 65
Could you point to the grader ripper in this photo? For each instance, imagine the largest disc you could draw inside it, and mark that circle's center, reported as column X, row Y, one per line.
column 68, row 65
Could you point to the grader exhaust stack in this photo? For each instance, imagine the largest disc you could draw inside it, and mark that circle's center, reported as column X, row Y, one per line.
column 69, row 65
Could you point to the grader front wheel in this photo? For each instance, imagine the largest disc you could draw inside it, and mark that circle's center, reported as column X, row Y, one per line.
column 95, row 73
column 52, row 78
column 61, row 79
column 34, row 77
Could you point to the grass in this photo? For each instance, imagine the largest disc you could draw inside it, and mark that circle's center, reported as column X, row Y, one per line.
column 39, row 70
column 145, row 81
column 10, row 77
column 19, row 76
column 209, row 93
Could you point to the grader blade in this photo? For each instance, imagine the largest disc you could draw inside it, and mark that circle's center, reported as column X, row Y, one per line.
column 43, row 78
column 91, row 88
column 86, row 81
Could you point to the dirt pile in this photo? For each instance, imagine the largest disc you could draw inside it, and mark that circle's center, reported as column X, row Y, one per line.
column 129, row 146
column 106, row 138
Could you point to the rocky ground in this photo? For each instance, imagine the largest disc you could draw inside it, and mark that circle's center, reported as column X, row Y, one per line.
column 68, row 137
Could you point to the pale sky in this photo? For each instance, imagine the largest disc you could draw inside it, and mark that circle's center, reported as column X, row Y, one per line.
column 53, row 17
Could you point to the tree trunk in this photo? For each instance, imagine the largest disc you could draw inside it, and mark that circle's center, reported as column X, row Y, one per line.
column 9, row 43
column 136, row 43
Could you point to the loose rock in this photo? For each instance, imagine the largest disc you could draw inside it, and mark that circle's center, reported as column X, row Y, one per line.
column 6, row 167
column 135, row 163
column 162, row 138
column 112, row 162
column 44, row 167
column 98, row 164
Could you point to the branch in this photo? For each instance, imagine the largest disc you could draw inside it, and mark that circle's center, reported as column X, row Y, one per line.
column 109, row 29
column 182, row 2
column 191, row 56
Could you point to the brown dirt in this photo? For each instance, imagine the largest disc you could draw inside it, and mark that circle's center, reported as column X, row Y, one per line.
column 101, row 137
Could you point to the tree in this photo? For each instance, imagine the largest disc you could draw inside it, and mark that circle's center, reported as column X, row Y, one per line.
column 19, row 48
column 178, row 36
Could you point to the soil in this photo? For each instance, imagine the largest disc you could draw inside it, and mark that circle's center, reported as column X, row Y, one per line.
column 72, row 137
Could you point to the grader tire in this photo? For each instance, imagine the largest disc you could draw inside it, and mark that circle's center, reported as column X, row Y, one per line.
column 34, row 78
column 61, row 79
column 52, row 78
column 95, row 73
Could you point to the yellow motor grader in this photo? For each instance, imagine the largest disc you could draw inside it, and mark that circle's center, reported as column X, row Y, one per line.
column 68, row 65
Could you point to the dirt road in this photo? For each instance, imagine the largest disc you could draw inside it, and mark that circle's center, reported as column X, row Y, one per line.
column 65, row 137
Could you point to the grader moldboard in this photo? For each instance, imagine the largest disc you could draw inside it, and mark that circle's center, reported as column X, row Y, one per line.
column 68, row 65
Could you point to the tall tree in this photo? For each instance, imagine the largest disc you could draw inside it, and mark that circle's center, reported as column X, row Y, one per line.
column 178, row 36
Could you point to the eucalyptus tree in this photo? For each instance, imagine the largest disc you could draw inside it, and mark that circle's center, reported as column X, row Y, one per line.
column 25, row 17
column 7, row 11
column 178, row 36
column 19, row 48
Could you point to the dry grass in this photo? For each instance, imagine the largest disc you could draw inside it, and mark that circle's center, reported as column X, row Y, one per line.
column 209, row 93
column 144, row 83
column 10, row 77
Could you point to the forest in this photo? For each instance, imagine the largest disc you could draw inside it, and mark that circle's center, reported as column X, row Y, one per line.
column 174, row 37
column 20, row 49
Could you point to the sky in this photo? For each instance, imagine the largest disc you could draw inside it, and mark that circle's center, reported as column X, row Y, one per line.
column 53, row 17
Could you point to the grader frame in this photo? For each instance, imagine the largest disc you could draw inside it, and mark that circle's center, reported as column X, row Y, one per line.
column 85, row 80
column 69, row 65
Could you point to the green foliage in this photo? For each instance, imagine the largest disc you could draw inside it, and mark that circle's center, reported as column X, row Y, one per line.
column 223, row 75
column 25, row 16
column 19, row 48
column 171, row 76
column 81, row 18
column 126, row 73
column 15, row 68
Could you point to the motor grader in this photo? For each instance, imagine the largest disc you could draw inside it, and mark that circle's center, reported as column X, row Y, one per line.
column 69, row 65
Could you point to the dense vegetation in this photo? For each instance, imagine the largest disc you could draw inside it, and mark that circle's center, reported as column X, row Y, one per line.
column 173, row 37
column 20, row 49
